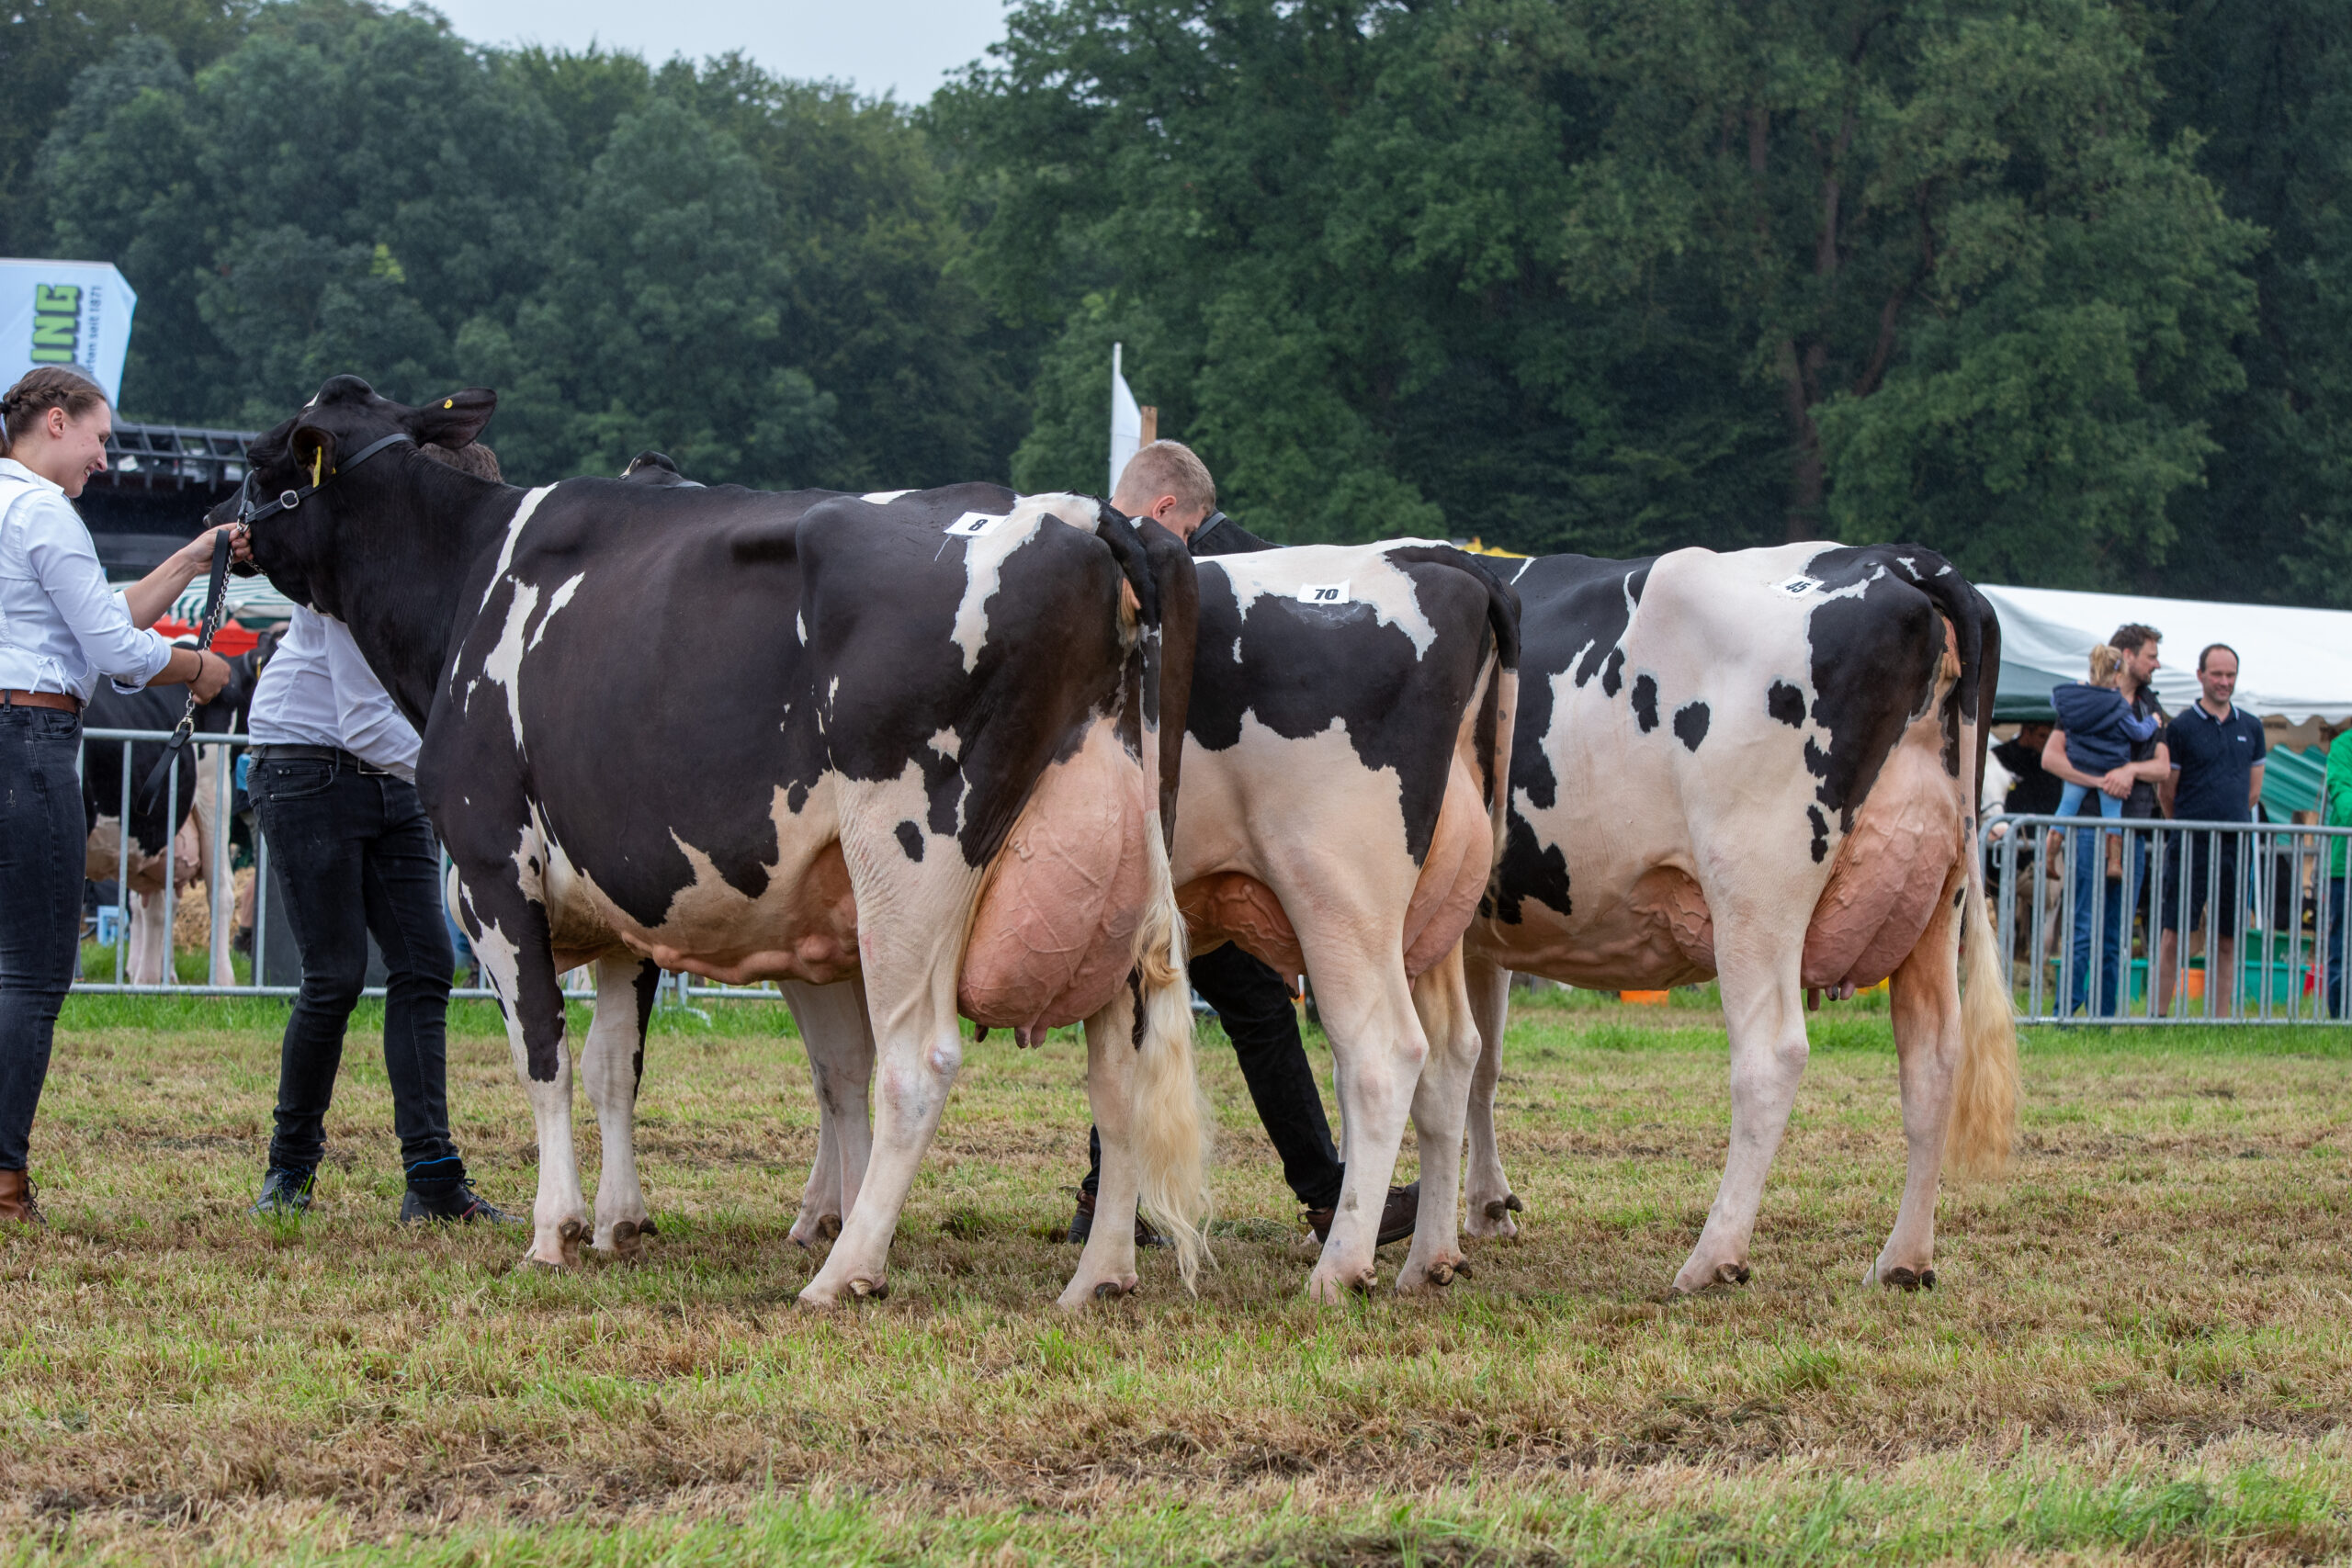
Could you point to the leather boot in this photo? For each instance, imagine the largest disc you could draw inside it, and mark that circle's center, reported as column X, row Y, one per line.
column 17, row 1201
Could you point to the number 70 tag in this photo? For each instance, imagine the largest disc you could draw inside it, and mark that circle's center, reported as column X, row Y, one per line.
column 1323, row 593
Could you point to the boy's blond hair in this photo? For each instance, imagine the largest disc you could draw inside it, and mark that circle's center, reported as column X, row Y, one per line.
column 1167, row 467
column 2106, row 664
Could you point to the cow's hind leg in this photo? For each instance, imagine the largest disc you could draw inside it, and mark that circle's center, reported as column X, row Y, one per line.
column 1761, row 958
column 612, row 1064
column 1378, row 1050
column 1923, row 997
column 1491, row 1201
column 909, row 978
column 1441, row 1103
column 840, row 1043
column 1107, row 1266
column 509, row 932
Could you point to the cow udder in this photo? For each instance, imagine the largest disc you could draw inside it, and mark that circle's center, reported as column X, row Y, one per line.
column 1054, row 934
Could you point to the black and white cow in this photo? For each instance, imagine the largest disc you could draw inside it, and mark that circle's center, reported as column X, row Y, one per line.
column 1348, row 726
column 1760, row 766
column 142, row 861
column 911, row 742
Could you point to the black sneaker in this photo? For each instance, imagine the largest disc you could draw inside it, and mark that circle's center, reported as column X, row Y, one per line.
column 285, row 1195
column 460, row 1205
column 1082, row 1224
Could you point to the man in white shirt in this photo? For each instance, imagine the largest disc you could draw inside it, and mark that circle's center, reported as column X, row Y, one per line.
column 334, row 787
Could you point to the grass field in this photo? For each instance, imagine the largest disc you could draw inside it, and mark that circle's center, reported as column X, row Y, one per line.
column 2138, row 1349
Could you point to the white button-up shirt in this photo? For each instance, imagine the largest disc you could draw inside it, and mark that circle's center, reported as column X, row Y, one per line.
column 317, row 690
column 61, row 627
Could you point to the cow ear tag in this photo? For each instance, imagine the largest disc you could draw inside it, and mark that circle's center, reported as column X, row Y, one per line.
column 1324, row 593
column 448, row 402
column 318, row 459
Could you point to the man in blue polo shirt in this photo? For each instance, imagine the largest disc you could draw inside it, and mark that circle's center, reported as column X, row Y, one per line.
column 2216, row 777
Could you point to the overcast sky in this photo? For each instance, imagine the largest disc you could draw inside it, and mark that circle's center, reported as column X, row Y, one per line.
column 905, row 46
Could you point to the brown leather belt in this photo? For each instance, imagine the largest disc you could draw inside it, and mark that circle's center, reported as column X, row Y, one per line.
column 11, row 697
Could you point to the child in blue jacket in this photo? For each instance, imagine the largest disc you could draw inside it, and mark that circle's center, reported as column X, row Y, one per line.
column 2100, row 728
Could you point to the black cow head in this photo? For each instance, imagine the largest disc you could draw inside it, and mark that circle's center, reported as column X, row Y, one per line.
column 290, row 547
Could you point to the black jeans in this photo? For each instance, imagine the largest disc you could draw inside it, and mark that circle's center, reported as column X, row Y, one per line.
column 41, row 834
column 355, row 856
column 1254, row 1005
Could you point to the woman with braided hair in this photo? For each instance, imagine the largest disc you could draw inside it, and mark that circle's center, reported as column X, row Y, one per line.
column 60, row 628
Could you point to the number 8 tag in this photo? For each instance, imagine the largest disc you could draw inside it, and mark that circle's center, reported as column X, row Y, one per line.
column 975, row 524
column 1323, row 593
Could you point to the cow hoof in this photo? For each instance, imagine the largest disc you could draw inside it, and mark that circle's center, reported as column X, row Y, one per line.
column 870, row 1289
column 1436, row 1277
column 830, row 1227
column 1724, row 1274
column 1908, row 1278
column 1492, row 1219
column 628, row 1240
column 1110, row 1290
column 647, row 1228
column 570, row 1236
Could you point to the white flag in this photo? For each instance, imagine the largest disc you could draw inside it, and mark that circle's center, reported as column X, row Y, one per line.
column 1127, row 422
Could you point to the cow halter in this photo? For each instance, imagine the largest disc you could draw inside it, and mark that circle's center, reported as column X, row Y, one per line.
column 216, row 592
column 288, row 499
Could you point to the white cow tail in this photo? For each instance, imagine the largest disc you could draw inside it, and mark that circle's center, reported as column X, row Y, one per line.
column 1171, row 1118
column 1985, row 1106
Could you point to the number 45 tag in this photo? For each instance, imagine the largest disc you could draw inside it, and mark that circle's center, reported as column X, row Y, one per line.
column 1323, row 593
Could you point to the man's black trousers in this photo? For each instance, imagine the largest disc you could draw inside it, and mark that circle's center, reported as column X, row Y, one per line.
column 354, row 855
column 1254, row 1005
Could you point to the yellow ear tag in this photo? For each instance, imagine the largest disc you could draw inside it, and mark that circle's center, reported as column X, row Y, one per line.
column 318, row 459
column 448, row 402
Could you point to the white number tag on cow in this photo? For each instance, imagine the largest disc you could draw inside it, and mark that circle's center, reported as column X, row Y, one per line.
column 975, row 524
column 1323, row 593
column 1797, row 587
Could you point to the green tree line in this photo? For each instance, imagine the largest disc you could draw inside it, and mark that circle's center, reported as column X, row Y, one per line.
column 758, row 275
column 2058, row 287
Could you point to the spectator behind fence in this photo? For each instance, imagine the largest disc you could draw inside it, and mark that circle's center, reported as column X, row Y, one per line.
column 2033, row 789
column 2336, row 812
column 2134, row 784
column 2216, row 777
column 2101, row 727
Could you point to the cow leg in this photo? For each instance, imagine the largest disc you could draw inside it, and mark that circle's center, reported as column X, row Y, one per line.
column 1760, row 955
column 1440, row 1105
column 1107, row 1266
column 833, row 1030
column 612, row 1065
column 1491, row 1200
column 1378, row 1049
column 1923, row 999
column 919, row 1050
column 150, row 944
column 509, row 932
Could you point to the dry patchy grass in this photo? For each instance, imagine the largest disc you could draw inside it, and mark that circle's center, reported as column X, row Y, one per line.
column 2138, row 1350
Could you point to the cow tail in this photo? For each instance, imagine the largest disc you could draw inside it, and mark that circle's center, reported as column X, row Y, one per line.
column 1985, row 1106
column 1171, row 1118
column 1499, row 713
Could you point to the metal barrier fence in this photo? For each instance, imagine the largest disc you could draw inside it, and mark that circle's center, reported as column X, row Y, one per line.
column 216, row 758
column 2146, row 922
